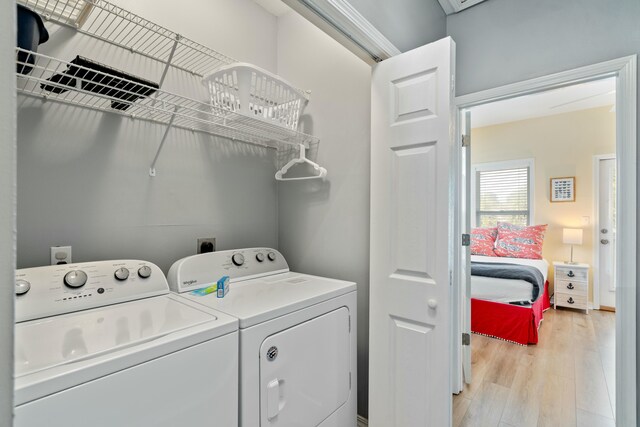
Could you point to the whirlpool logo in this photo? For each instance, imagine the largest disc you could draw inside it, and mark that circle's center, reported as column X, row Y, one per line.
column 189, row 282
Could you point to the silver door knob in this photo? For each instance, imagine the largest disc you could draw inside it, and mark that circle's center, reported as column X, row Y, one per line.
column 604, row 241
column 433, row 304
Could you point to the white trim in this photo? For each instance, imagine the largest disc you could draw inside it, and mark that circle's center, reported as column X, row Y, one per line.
column 457, row 384
column 8, row 115
column 455, row 6
column 596, row 225
column 506, row 164
column 625, row 69
column 626, row 243
column 347, row 20
column 552, row 81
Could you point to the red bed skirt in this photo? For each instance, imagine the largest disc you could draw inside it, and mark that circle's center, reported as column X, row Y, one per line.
column 509, row 322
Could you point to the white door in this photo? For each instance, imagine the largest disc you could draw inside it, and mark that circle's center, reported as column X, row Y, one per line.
column 607, row 232
column 411, row 244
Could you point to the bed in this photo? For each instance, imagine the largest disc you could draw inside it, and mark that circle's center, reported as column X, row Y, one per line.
column 510, row 308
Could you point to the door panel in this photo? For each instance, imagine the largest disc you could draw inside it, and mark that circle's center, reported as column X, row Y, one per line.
column 606, row 231
column 413, row 171
column 305, row 371
column 411, row 245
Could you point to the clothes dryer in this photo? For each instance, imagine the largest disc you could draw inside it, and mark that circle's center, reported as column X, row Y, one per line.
column 297, row 336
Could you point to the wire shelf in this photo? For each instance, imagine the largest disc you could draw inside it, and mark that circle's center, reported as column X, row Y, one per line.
column 110, row 23
column 68, row 82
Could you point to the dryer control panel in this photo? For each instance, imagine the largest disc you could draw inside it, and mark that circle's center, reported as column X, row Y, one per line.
column 58, row 289
column 202, row 270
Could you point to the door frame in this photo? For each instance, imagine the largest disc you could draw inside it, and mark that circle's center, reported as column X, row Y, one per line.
column 8, row 165
column 625, row 71
column 596, row 220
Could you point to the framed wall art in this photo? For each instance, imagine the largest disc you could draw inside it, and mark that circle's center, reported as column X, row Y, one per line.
column 563, row 189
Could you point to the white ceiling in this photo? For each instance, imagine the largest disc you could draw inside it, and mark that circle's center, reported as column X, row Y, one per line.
column 275, row 7
column 583, row 96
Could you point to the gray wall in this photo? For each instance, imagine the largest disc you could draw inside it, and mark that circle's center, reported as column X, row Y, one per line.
column 83, row 175
column 324, row 226
column 7, row 206
column 505, row 41
column 406, row 23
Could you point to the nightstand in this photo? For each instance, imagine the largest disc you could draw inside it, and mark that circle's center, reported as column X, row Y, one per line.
column 571, row 285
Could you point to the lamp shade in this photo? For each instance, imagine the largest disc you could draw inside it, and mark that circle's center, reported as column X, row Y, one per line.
column 572, row 236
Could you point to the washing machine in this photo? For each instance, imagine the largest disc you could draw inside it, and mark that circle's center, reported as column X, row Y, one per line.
column 297, row 336
column 106, row 344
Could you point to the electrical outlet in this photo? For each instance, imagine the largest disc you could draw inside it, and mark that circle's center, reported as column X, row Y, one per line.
column 206, row 244
column 60, row 255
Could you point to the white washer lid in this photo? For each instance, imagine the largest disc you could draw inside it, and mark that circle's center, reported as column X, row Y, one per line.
column 258, row 300
column 58, row 352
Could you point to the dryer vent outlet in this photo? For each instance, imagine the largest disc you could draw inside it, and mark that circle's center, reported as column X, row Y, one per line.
column 60, row 255
column 206, row 244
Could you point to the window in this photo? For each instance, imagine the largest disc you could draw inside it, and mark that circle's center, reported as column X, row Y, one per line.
column 503, row 192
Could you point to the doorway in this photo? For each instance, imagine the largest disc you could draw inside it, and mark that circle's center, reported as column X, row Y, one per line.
column 624, row 72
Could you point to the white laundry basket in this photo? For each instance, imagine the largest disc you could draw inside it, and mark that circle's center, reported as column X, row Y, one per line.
column 252, row 91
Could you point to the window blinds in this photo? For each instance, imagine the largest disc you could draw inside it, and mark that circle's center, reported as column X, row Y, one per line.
column 502, row 195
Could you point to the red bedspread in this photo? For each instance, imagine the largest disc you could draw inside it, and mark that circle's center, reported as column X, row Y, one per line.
column 507, row 321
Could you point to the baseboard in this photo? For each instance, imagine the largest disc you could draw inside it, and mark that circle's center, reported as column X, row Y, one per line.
column 362, row 421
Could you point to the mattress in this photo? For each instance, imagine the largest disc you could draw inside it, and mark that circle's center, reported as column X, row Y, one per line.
column 505, row 290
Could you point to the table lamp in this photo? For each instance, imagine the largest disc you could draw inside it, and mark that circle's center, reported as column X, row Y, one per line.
column 571, row 236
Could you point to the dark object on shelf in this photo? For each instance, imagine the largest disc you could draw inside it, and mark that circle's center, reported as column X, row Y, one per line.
column 31, row 33
column 103, row 80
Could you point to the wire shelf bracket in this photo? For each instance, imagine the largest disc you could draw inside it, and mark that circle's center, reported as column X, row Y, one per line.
column 169, row 59
column 152, row 169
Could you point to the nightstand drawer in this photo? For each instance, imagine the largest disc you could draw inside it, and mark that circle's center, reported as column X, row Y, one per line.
column 568, row 300
column 571, row 287
column 571, row 273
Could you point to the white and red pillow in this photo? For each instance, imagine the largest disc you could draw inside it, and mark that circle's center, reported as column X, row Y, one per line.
column 483, row 241
column 516, row 241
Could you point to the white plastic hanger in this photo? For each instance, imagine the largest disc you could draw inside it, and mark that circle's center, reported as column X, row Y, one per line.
column 302, row 159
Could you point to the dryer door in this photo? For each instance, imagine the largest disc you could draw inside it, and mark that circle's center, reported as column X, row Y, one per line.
column 304, row 371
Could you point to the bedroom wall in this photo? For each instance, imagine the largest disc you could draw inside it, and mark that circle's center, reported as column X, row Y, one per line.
column 562, row 145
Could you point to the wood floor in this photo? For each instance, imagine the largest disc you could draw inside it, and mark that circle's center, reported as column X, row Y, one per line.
column 566, row 380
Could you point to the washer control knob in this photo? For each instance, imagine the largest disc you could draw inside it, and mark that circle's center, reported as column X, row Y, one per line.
column 260, row 257
column 75, row 278
column 22, row 287
column 121, row 274
column 144, row 272
column 238, row 259
column 271, row 256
